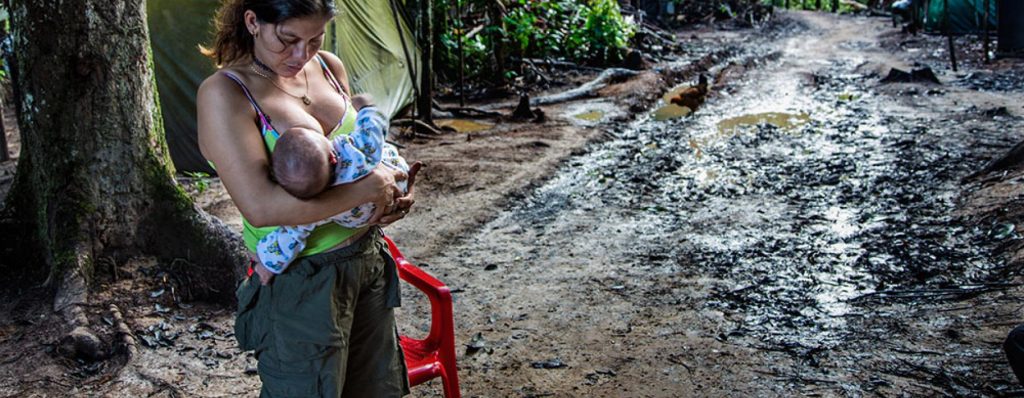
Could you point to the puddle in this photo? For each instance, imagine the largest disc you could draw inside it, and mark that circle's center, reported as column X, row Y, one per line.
column 782, row 120
column 591, row 116
column 463, row 125
column 670, row 111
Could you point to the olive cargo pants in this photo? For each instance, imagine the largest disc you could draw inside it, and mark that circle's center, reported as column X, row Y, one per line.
column 326, row 326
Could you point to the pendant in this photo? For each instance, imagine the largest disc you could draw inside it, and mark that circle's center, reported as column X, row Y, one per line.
column 306, row 100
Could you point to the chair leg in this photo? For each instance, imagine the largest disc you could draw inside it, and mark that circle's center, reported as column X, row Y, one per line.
column 451, row 383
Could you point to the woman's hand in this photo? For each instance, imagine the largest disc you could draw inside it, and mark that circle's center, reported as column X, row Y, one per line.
column 381, row 183
column 263, row 273
column 403, row 204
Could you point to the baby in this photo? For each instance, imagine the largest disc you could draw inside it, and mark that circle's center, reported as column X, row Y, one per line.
column 306, row 163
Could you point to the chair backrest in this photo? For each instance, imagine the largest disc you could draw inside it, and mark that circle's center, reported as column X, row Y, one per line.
column 434, row 356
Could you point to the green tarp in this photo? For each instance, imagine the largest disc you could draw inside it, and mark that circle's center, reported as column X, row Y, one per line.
column 364, row 36
column 965, row 16
column 371, row 47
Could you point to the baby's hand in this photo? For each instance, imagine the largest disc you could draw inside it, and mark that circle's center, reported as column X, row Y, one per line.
column 362, row 100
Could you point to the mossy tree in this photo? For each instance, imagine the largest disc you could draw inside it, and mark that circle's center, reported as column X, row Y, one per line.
column 94, row 179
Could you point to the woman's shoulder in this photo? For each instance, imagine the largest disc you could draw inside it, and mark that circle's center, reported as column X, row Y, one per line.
column 332, row 60
column 220, row 88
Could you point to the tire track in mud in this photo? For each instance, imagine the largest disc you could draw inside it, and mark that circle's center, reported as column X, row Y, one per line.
column 794, row 236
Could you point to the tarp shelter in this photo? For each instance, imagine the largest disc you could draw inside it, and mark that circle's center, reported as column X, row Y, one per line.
column 364, row 35
column 965, row 16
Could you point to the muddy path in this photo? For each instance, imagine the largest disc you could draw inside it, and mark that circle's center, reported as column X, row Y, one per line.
column 797, row 235
column 805, row 232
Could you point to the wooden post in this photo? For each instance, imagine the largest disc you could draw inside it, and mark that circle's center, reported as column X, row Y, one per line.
column 949, row 34
column 817, row 5
column 984, row 27
column 787, row 4
column 462, row 54
column 425, row 101
column 835, row 5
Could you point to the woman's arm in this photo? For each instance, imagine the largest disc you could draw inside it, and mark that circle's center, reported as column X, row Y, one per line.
column 229, row 138
column 404, row 203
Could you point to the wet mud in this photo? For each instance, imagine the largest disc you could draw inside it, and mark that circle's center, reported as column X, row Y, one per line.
column 797, row 235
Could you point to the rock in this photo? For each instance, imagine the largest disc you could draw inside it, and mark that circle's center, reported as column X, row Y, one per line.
column 548, row 364
column 922, row 75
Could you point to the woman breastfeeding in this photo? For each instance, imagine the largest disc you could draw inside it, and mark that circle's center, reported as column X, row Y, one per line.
column 325, row 326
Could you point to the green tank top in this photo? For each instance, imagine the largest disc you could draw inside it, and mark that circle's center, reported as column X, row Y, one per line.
column 325, row 236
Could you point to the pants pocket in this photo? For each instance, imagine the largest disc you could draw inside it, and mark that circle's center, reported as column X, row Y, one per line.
column 284, row 385
column 250, row 322
column 305, row 322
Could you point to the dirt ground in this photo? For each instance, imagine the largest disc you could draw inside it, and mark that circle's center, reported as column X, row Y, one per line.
column 806, row 232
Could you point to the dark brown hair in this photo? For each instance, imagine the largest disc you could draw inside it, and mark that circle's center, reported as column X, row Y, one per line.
column 232, row 41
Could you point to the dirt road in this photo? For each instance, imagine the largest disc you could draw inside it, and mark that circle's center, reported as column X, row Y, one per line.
column 795, row 236
column 805, row 232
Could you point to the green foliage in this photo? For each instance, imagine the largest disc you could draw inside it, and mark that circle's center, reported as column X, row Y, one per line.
column 826, row 5
column 604, row 37
column 591, row 32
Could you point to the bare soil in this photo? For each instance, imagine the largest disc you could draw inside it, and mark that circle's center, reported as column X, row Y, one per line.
column 831, row 251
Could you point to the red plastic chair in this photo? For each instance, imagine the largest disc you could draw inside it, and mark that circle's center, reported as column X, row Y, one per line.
column 433, row 356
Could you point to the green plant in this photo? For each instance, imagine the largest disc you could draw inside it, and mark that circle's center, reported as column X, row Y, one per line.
column 584, row 31
column 200, row 180
column 604, row 36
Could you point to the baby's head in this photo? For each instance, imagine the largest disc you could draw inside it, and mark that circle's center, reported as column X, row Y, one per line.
column 302, row 162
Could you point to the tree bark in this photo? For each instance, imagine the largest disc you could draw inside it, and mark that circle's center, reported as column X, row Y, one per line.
column 95, row 180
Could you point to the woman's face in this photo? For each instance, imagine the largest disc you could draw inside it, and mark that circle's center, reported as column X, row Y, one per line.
column 286, row 46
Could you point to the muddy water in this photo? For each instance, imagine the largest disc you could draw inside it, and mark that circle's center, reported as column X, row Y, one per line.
column 463, row 125
column 791, row 237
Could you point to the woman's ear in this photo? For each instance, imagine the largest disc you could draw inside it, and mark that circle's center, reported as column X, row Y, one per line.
column 251, row 22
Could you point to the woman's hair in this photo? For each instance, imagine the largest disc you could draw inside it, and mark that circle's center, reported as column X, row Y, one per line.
column 232, row 40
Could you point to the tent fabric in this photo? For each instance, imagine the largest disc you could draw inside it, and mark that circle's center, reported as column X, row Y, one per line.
column 965, row 16
column 364, row 36
column 176, row 27
column 373, row 56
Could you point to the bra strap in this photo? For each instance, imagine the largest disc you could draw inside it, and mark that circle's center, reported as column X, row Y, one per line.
column 263, row 117
column 330, row 76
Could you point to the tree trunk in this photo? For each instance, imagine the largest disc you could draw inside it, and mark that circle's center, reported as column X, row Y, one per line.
column 496, row 12
column 984, row 29
column 5, row 155
column 94, row 180
column 425, row 102
column 948, row 26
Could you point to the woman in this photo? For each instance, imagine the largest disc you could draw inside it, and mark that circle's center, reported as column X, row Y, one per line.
column 326, row 326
